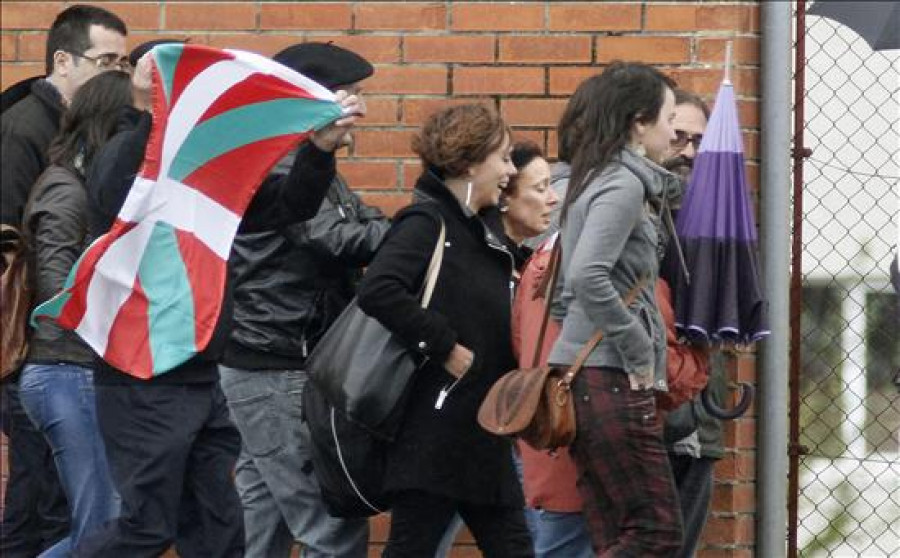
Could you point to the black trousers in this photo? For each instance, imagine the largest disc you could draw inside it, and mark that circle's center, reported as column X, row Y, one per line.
column 35, row 509
column 172, row 451
column 419, row 520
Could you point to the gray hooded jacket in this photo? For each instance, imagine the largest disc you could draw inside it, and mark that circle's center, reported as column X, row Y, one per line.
column 609, row 244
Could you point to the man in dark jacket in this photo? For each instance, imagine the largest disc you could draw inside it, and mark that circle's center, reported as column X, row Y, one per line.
column 82, row 42
column 693, row 437
column 290, row 283
column 170, row 442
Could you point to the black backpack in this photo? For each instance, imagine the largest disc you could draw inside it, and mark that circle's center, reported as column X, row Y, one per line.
column 348, row 461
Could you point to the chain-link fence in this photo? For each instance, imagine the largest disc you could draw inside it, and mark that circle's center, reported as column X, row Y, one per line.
column 846, row 401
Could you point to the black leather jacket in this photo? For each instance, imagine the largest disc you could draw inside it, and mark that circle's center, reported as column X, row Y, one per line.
column 291, row 283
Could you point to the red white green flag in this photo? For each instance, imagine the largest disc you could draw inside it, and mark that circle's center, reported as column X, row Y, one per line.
column 147, row 295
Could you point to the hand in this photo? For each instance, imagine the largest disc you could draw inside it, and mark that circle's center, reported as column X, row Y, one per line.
column 334, row 135
column 459, row 361
column 142, row 82
column 641, row 379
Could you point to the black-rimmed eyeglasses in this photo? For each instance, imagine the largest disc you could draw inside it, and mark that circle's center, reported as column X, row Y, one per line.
column 682, row 138
column 106, row 61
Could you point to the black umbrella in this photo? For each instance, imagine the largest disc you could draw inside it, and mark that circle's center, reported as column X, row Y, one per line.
column 878, row 23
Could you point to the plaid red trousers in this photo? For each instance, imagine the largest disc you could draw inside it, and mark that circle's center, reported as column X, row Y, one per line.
column 624, row 477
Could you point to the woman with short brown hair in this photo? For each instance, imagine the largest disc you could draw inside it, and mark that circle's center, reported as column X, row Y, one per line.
column 442, row 462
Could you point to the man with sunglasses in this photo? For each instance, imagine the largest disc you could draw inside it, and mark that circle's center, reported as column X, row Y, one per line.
column 82, row 42
column 693, row 438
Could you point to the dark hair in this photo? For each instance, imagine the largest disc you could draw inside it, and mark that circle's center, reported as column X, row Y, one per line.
column 90, row 120
column 71, row 30
column 571, row 123
column 522, row 154
column 686, row 97
column 455, row 138
column 625, row 93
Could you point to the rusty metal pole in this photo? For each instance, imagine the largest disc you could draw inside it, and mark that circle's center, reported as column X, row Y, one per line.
column 798, row 153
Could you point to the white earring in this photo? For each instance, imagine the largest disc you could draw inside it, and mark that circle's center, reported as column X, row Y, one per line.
column 468, row 192
column 640, row 149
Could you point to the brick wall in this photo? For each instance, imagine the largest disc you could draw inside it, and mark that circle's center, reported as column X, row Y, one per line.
column 523, row 57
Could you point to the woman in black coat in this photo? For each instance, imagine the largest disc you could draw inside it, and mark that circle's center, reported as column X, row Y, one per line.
column 442, row 462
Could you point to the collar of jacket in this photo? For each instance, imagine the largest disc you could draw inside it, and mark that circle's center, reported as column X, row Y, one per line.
column 656, row 179
column 49, row 95
column 429, row 187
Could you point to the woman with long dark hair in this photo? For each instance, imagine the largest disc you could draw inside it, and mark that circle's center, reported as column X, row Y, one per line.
column 57, row 386
column 442, row 462
column 609, row 256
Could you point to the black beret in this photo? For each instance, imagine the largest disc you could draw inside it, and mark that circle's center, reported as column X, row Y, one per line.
column 144, row 48
column 325, row 63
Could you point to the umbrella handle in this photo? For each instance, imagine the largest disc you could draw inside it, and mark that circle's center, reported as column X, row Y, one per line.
column 728, row 414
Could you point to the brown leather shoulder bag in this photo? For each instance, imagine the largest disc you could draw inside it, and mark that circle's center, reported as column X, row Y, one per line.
column 535, row 404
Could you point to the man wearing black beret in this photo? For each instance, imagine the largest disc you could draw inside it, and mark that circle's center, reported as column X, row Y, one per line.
column 290, row 283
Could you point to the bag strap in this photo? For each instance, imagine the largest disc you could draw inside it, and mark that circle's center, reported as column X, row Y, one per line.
column 590, row 345
column 434, row 266
column 553, row 268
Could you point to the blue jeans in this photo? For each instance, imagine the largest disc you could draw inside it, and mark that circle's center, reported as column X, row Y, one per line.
column 559, row 534
column 274, row 477
column 59, row 400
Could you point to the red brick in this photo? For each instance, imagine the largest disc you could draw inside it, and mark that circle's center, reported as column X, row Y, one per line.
column 740, row 433
column 537, row 136
column 380, row 110
column 649, row 49
column 507, row 16
column 379, row 527
column 744, row 51
column 448, row 49
column 28, row 15
column 748, row 113
column 369, row 175
column 32, row 47
column 376, row 49
column 734, row 498
column 729, row 530
column 532, row 112
column 383, row 143
column 390, row 204
column 417, row 109
column 414, row 16
column 594, row 17
column 727, row 552
column 705, row 81
column 552, row 144
column 736, row 466
column 411, row 172
column 136, row 15
column 13, row 73
column 487, row 80
column 8, row 49
column 203, row 16
column 670, row 18
column 565, row 79
column 267, row 44
column 305, row 15
column 541, row 50
column 726, row 18
column 408, row 79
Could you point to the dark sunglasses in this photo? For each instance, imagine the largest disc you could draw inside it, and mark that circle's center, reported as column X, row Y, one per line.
column 106, row 61
column 682, row 138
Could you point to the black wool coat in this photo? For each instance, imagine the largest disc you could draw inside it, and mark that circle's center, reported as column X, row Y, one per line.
column 444, row 451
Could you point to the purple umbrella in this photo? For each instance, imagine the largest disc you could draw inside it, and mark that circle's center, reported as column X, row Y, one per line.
column 723, row 300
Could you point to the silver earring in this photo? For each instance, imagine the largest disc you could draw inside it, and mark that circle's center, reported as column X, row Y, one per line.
column 468, row 192
column 640, row 149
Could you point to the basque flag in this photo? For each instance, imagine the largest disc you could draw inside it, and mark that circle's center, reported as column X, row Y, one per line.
column 147, row 295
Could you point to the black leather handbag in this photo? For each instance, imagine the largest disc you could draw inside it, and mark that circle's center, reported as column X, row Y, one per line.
column 362, row 368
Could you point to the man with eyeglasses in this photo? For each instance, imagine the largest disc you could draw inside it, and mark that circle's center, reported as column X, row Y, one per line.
column 82, row 42
column 693, row 438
